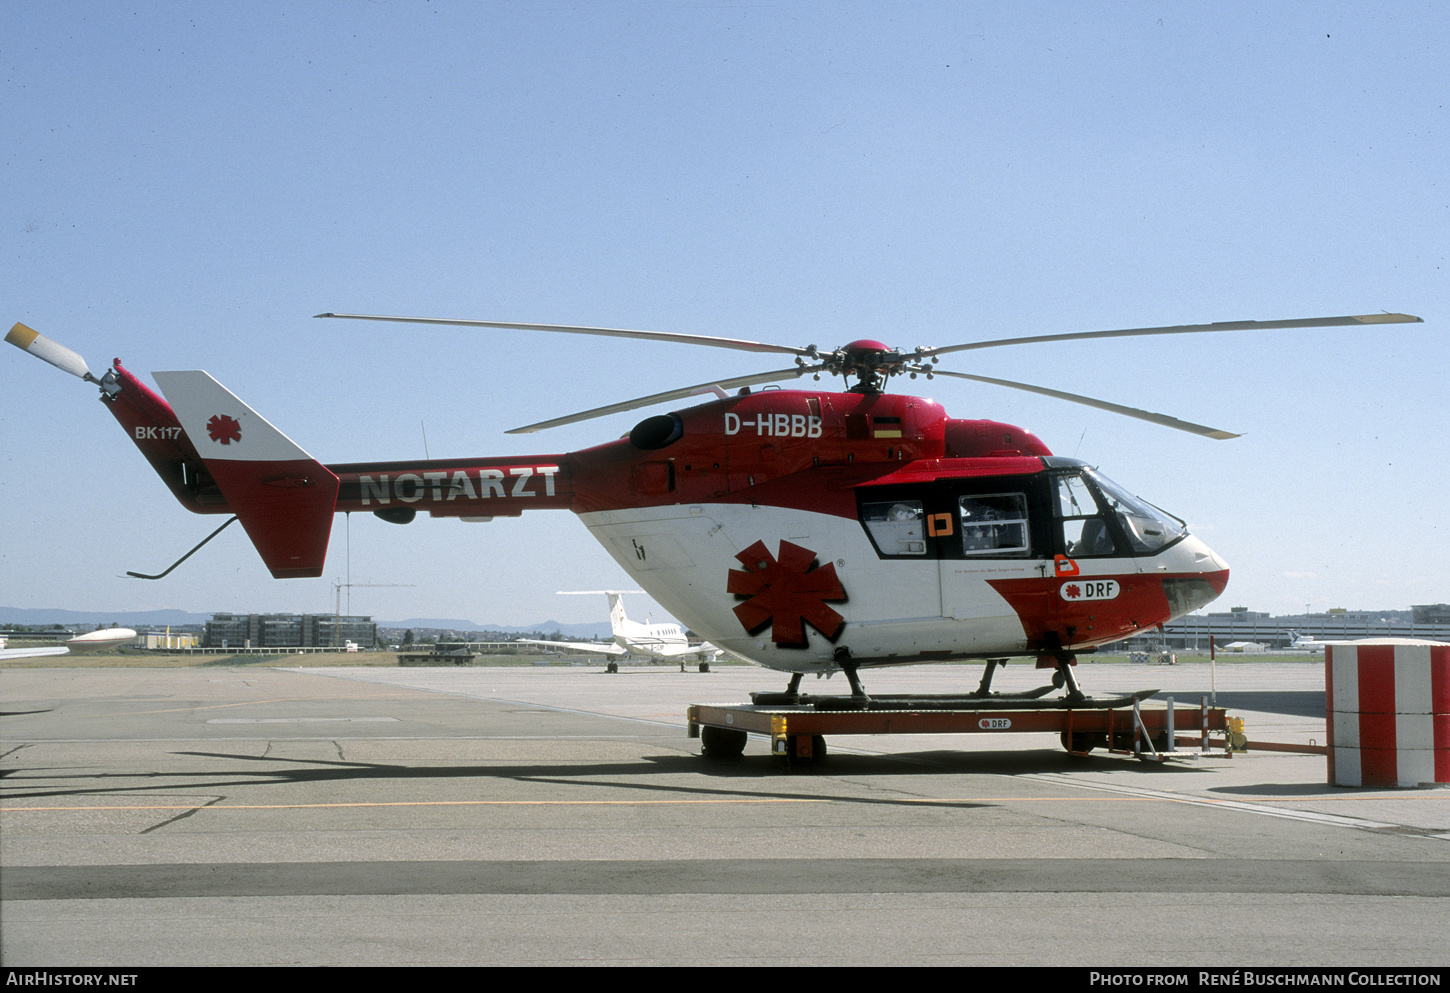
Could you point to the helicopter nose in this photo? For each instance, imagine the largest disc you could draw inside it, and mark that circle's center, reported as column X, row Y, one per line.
column 1207, row 580
column 1187, row 594
column 1192, row 555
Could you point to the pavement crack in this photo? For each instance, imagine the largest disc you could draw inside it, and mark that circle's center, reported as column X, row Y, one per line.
column 181, row 816
column 9, row 752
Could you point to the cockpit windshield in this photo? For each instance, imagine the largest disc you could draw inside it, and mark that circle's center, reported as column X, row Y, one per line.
column 1146, row 527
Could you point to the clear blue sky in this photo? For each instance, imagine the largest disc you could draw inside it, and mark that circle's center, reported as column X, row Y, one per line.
column 184, row 185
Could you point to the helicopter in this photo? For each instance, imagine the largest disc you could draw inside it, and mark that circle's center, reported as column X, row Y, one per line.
column 811, row 531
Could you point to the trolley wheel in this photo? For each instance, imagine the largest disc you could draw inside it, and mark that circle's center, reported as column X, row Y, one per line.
column 721, row 743
column 805, row 750
column 1079, row 741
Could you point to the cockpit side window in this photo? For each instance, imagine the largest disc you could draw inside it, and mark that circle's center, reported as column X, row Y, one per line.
column 1074, row 499
column 1083, row 537
column 1084, row 533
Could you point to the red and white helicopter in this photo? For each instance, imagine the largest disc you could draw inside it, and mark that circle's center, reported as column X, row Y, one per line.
column 809, row 531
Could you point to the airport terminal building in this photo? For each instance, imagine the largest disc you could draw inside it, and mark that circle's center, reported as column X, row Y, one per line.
column 1192, row 632
column 289, row 631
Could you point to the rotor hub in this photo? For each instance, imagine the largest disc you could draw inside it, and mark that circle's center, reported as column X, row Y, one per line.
column 871, row 362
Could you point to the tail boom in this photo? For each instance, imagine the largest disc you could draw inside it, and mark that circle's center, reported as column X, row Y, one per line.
column 151, row 424
column 218, row 456
column 475, row 488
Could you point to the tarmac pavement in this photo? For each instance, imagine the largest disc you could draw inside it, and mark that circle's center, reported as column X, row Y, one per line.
column 560, row 815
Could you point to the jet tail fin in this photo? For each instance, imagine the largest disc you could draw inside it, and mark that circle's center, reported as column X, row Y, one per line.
column 618, row 622
column 284, row 497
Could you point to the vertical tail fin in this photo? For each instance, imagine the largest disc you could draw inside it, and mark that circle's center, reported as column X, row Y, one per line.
column 284, row 497
column 617, row 620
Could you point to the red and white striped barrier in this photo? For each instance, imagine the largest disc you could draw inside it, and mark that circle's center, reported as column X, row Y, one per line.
column 1389, row 712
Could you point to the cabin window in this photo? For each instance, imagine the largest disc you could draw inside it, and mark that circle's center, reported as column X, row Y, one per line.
column 994, row 524
column 979, row 518
column 897, row 526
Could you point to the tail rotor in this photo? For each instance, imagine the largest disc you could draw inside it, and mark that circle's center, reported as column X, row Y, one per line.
column 43, row 348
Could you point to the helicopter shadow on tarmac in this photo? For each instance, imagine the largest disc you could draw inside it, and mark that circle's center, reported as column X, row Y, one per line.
column 754, row 775
column 304, row 772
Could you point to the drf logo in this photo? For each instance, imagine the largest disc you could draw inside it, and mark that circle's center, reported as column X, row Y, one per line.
column 1090, row 589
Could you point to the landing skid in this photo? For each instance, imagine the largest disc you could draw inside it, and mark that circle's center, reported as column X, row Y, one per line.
column 1062, row 676
column 944, row 701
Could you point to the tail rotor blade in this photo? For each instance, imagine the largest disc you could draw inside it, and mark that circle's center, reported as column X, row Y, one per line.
column 53, row 352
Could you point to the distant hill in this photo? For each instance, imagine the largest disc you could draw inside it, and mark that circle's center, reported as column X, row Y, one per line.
column 443, row 623
column 597, row 630
column 44, row 616
column 40, row 616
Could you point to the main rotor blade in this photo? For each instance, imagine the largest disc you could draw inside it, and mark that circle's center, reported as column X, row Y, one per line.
column 725, row 384
column 1305, row 322
column 687, row 339
column 1142, row 415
